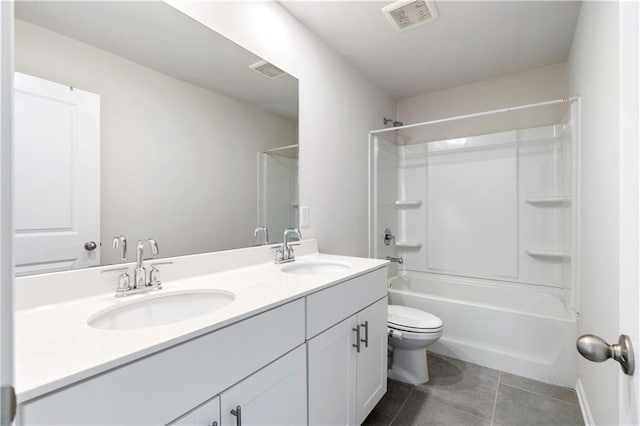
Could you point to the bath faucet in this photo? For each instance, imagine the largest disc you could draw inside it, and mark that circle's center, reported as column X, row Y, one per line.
column 266, row 235
column 398, row 260
column 140, row 273
column 285, row 251
column 142, row 282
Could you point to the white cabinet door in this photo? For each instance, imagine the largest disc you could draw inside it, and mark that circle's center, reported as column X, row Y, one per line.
column 372, row 359
column 56, row 176
column 208, row 414
column 332, row 375
column 275, row 395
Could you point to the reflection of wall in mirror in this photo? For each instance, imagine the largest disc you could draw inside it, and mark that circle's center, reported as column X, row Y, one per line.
column 178, row 161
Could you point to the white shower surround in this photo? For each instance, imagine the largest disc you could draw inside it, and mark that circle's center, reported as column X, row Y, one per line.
column 518, row 316
column 521, row 331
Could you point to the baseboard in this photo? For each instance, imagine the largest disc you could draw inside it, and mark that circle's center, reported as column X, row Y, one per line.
column 584, row 404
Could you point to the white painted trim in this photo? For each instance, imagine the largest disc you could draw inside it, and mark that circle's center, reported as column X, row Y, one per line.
column 584, row 404
column 6, row 203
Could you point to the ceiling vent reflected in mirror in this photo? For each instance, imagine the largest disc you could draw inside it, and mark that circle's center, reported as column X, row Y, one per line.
column 405, row 15
column 267, row 69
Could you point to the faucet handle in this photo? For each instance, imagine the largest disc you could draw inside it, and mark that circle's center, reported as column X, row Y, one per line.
column 120, row 269
column 120, row 242
column 153, row 274
column 168, row 262
column 263, row 229
column 124, row 281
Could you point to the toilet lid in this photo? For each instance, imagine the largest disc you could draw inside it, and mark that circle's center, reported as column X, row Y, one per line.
column 402, row 317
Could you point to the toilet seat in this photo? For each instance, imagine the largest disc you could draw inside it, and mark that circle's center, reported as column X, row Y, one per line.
column 412, row 320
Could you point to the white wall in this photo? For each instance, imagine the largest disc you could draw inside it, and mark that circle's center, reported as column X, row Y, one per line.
column 593, row 74
column 338, row 106
column 178, row 162
column 536, row 85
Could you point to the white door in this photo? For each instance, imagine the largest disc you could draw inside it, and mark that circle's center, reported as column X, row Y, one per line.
column 7, row 408
column 332, row 375
column 372, row 360
column 275, row 395
column 56, row 176
column 208, row 414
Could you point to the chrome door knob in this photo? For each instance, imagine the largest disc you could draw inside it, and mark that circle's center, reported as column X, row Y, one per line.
column 596, row 349
column 90, row 245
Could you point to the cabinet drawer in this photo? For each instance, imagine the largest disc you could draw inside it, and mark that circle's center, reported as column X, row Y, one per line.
column 332, row 305
column 159, row 388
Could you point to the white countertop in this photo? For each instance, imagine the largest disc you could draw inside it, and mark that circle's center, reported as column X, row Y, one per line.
column 55, row 346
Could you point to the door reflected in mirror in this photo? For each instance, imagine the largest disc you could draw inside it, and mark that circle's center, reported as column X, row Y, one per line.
column 134, row 120
column 277, row 192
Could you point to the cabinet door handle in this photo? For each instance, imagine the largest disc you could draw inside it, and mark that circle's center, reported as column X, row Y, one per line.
column 238, row 413
column 366, row 334
column 357, row 344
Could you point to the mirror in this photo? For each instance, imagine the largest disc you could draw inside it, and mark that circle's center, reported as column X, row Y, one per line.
column 133, row 119
column 277, row 192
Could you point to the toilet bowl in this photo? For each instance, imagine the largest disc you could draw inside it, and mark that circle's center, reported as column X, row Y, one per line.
column 410, row 332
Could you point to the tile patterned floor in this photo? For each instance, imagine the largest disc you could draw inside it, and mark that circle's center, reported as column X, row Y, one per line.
column 460, row 393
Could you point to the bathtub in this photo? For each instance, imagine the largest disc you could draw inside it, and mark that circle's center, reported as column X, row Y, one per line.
column 497, row 325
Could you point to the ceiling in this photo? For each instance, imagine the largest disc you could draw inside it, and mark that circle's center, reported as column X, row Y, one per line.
column 157, row 36
column 470, row 41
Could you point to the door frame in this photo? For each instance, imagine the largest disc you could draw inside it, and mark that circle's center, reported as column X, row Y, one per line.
column 629, row 204
column 7, row 401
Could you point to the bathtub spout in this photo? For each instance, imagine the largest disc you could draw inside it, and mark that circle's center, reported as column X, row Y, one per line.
column 399, row 260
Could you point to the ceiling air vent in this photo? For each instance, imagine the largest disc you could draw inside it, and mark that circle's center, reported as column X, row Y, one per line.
column 405, row 15
column 267, row 69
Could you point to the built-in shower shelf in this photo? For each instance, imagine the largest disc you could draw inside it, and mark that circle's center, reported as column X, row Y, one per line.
column 549, row 254
column 409, row 244
column 408, row 203
column 550, row 201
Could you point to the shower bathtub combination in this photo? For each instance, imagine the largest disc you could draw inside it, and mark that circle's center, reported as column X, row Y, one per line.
column 485, row 229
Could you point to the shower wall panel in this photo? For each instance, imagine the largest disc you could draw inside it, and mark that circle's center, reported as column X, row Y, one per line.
column 472, row 212
column 494, row 206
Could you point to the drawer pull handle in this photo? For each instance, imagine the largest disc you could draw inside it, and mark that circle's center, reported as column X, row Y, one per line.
column 357, row 344
column 366, row 334
column 238, row 413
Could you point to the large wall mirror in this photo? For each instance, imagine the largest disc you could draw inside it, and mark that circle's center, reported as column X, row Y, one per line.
column 134, row 120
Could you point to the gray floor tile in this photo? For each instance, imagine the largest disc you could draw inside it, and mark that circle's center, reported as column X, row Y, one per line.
column 389, row 405
column 422, row 408
column 465, row 386
column 544, row 389
column 516, row 407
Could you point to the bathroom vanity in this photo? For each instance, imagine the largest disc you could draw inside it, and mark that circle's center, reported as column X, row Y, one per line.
column 298, row 344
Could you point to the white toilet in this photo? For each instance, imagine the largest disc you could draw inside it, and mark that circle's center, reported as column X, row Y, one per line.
column 410, row 332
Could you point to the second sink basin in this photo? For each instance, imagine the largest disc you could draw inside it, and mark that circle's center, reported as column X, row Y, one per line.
column 161, row 309
column 315, row 267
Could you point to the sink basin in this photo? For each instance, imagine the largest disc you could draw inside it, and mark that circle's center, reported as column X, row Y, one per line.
column 315, row 267
column 161, row 309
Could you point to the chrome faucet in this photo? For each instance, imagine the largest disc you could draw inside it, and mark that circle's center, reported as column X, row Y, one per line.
column 140, row 273
column 141, row 281
column 398, row 260
column 266, row 235
column 285, row 251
